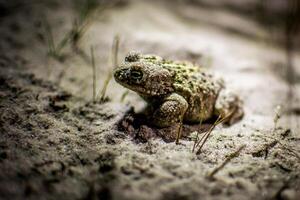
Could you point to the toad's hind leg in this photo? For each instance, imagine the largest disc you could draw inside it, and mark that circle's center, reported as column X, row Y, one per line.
column 171, row 113
column 229, row 106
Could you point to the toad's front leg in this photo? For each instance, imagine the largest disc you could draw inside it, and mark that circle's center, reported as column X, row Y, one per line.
column 170, row 113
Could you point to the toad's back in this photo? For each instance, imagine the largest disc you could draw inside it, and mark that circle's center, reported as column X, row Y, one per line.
column 195, row 84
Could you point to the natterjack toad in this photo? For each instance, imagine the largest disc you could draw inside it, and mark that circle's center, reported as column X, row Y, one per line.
column 177, row 92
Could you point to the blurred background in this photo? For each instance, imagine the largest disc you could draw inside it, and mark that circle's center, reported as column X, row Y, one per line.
column 212, row 33
column 249, row 42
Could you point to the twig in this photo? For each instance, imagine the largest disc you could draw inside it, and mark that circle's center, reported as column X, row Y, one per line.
column 265, row 149
column 226, row 161
column 94, row 73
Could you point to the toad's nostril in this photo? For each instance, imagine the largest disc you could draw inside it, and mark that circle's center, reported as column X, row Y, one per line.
column 120, row 74
column 117, row 74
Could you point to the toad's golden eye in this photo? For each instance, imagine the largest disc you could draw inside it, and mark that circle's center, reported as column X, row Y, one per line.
column 136, row 75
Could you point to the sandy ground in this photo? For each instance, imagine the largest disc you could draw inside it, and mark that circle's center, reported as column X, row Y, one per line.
column 56, row 143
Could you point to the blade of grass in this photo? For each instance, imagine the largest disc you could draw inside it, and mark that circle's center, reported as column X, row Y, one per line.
column 49, row 37
column 65, row 40
column 115, row 51
column 114, row 63
column 94, row 73
column 71, row 37
column 124, row 96
column 79, row 29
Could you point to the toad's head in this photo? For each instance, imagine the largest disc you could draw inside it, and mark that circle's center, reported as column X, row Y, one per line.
column 144, row 75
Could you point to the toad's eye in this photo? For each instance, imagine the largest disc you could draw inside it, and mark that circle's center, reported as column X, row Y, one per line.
column 136, row 75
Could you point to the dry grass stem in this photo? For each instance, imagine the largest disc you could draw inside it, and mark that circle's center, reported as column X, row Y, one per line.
column 197, row 137
column 94, row 73
column 114, row 63
column 226, row 161
column 179, row 131
column 278, row 113
column 204, row 138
